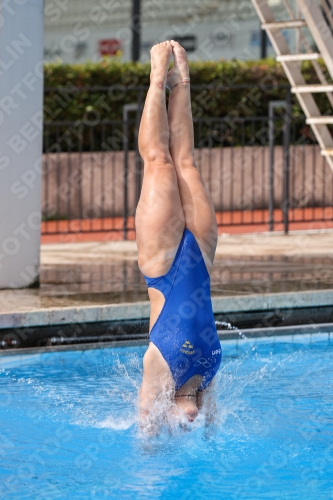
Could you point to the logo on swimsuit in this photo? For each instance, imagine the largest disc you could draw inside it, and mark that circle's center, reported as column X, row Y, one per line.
column 187, row 348
column 204, row 362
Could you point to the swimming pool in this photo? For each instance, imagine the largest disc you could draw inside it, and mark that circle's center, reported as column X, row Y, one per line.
column 69, row 431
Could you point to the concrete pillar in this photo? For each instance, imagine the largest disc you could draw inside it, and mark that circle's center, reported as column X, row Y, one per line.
column 21, row 107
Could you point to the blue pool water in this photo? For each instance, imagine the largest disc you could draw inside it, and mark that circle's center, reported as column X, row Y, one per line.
column 69, row 427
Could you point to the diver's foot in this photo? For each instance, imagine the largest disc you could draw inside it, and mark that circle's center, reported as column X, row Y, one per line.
column 160, row 55
column 180, row 71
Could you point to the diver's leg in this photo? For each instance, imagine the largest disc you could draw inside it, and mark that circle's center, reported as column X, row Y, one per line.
column 159, row 225
column 196, row 201
column 159, row 219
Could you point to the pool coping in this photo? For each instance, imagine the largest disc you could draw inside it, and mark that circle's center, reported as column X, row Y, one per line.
column 140, row 310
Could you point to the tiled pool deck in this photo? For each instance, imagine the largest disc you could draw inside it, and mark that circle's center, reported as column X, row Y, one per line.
column 100, row 281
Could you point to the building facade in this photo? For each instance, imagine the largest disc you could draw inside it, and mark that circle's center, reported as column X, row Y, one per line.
column 80, row 30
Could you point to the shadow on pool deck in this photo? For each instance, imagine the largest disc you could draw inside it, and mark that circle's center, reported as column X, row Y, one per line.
column 81, row 274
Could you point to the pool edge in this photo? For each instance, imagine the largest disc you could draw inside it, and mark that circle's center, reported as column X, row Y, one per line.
column 253, row 334
column 140, row 310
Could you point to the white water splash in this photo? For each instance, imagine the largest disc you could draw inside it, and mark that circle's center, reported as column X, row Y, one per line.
column 121, row 424
column 229, row 326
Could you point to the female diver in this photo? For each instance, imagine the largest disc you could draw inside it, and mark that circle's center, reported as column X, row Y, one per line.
column 176, row 235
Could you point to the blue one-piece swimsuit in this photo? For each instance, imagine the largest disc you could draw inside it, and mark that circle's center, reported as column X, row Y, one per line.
column 185, row 331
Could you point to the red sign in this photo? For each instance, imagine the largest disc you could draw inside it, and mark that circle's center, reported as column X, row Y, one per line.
column 109, row 47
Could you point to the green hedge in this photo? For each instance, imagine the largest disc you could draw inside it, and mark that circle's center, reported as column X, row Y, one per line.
column 59, row 105
column 83, row 108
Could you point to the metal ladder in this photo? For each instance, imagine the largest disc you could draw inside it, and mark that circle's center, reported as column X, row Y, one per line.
column 320, row 29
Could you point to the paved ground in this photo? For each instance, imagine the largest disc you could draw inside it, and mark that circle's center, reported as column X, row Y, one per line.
column 295, row 244
column 104, row 273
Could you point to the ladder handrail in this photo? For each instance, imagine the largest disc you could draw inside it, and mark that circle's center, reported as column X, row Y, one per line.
column 327, row 12
column 315, row 21
column 315, row 64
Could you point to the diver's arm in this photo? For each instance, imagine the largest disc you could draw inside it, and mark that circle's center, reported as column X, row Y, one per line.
column 147, row 423
column 157, row 386
column 147, row 396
